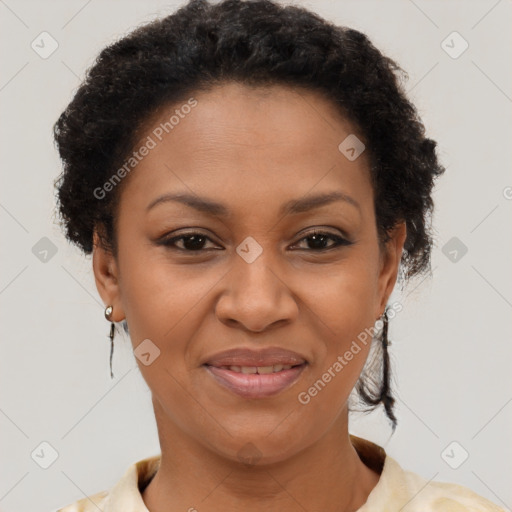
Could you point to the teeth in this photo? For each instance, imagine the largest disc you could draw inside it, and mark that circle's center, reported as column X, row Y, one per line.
column 259, row 369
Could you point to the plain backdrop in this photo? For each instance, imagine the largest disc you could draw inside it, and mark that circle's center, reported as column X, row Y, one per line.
column 451, row 351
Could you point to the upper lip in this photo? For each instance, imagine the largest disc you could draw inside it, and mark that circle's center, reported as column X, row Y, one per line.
column 248, row 357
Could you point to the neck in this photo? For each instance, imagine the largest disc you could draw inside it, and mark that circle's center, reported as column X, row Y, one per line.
column 327, row 475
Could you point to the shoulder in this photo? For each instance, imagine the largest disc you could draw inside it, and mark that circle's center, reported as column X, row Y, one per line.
column 89, row 504
column 433, row 496
column 124, row 495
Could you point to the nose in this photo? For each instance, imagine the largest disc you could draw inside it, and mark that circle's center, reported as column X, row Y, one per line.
column 257, row 298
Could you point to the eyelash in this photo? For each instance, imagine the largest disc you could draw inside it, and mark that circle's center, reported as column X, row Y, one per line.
column 340, row 241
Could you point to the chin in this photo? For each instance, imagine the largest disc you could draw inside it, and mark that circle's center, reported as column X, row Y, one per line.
column 258, row 447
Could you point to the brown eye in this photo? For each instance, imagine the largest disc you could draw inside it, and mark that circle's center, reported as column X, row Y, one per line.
column 319, row 239
column 192, row 242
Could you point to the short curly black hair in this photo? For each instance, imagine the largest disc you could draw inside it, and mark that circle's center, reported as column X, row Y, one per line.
column 253, row 42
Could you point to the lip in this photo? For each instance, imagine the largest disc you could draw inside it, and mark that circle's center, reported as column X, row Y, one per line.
column 268, row 356
column 254, row 385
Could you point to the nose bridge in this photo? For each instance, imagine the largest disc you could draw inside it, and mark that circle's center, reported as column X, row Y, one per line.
column 257, row 295
column 253, row 266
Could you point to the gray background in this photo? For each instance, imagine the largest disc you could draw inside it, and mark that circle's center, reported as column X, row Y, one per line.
column 451, row 343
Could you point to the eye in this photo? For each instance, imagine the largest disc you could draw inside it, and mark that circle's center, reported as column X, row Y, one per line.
column 192, row 242
column 195, row 241
column 319, row 238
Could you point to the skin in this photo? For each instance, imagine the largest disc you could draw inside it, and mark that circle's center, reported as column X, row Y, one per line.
column 251, row 149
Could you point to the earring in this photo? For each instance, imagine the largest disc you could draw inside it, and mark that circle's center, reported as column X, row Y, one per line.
column 385, row 393
column 385, row 341
column 108, row 314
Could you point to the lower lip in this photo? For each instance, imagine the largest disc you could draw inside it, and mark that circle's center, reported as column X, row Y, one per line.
column 254, row 385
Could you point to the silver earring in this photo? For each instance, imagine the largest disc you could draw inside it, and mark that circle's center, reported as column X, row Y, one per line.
column 108, row 314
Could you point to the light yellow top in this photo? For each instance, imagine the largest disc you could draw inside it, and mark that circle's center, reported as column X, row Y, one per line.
column 396, row 490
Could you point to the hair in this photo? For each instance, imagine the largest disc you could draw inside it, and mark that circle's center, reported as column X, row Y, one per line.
column 252, row 42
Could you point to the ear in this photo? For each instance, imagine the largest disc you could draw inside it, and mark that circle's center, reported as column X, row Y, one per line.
column 390, row 262
column 106, row 275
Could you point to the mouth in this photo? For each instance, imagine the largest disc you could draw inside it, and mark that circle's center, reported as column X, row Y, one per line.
column 256, row 381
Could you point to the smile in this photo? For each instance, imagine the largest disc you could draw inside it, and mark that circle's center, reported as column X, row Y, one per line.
column 256, row 381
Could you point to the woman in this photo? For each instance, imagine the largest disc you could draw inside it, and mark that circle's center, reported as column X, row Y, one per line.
column 251, row 181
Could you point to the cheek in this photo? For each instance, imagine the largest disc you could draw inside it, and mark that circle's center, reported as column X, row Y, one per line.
column 346, row 301
column 344, row 308
column 165, row 304
column 155, row 294
column 347, row 343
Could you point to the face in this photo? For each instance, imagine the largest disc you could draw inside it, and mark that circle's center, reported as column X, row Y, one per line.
column 271, row 272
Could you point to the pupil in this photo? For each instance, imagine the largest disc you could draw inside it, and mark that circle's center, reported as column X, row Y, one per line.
column 197, row 242
column 318, row 241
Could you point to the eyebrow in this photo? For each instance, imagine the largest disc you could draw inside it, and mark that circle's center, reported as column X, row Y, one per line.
column 291, row 207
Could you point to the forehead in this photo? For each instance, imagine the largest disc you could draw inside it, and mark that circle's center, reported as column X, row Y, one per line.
column 240, row 142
